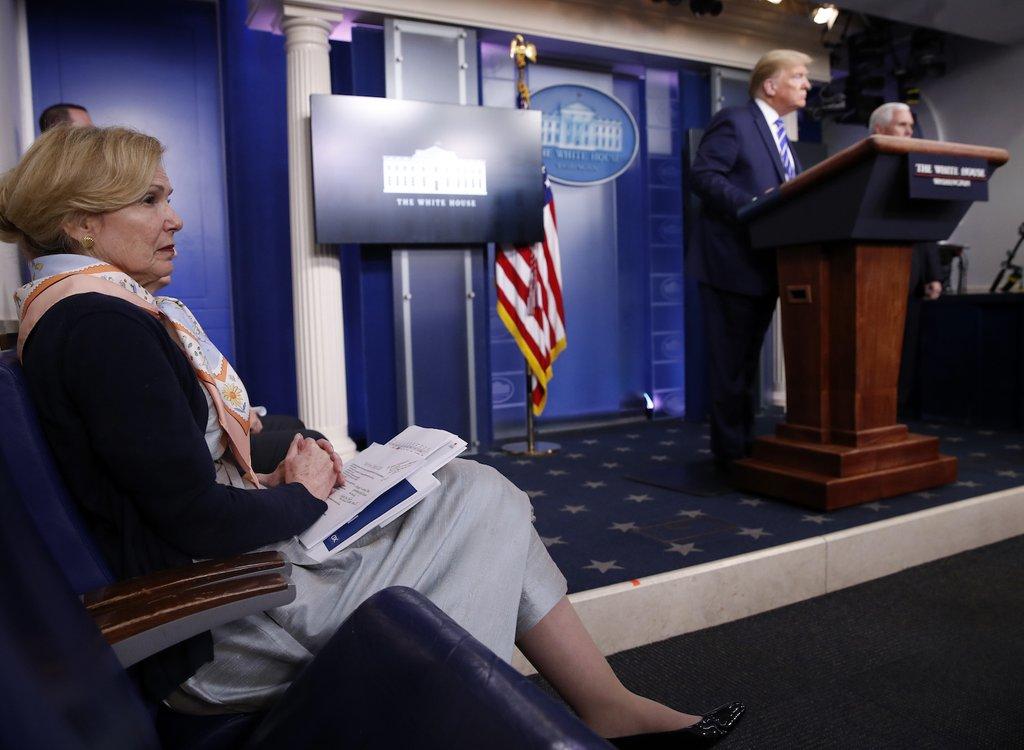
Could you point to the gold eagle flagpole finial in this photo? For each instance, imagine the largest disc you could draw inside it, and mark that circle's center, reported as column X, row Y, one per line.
column 522, row 52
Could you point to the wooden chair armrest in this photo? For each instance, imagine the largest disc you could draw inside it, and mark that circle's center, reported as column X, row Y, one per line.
column 145, row 588
column 145, row 626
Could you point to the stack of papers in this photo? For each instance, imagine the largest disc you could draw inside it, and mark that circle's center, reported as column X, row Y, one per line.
column 381, row 483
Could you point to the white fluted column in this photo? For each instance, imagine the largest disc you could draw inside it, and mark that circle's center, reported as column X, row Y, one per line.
column 316, row 269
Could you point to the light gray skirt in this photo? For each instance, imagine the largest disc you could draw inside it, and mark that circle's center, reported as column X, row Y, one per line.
column 470, row 547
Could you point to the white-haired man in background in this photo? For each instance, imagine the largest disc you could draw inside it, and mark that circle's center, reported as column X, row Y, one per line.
column 892, row 118
column 896, row 118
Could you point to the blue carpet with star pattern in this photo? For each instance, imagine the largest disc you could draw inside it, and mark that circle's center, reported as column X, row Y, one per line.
column 602, row 528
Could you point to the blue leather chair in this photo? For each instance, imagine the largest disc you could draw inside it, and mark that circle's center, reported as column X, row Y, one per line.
column 398, row 673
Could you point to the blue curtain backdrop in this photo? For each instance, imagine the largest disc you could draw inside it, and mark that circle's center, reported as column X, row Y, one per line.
column 256, row 140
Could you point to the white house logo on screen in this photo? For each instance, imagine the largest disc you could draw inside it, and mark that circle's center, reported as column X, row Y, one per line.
column 435, row 171
column 587, row 136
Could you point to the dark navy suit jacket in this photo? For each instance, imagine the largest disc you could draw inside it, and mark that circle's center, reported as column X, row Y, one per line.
column 737, row 160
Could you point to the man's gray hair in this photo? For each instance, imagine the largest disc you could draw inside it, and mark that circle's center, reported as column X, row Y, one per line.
column 883, row 115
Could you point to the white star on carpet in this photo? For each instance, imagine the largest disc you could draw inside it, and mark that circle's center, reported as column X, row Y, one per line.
column 589, row 442
column 522, row 462
column 705, row 437
column 1013, row 447
column 753, row 502
column 986, row 432
column 1008, row 473
column 632, row 436
column 954, row 439
column 927, row 495
column 978, row 454
column 691, row 513
column 536, row 493
column 574, row 509
column 672, row 430
column 627, row 526
column 876, row 506
column 753, row 533
column 817, row 518
column 639, row 498
column 593, row 485
column 659, row 458
column 551, row 541
column 934, row 426
column 602, row 567
column 574, row 455
column 666, row 442
column 556, row 472
column 684, row 549
column 623, row 449
column 610, row 465
column 968, row 483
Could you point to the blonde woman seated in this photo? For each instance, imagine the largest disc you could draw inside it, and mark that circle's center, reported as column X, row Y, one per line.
column 155, row 450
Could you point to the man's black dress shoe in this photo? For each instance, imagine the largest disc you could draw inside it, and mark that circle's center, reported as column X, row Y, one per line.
column 705, row 733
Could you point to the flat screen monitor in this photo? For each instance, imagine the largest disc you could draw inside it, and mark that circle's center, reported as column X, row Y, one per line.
column 400, row 172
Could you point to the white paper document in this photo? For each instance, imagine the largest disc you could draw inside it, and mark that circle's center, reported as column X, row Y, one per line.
column 412, row 456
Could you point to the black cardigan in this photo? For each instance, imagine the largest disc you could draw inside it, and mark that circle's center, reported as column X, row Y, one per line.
column 125, row 415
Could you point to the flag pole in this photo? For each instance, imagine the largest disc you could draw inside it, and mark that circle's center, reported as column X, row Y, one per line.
column 521, row 51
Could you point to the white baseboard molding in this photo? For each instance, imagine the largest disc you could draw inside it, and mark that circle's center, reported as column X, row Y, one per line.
column 635, row 613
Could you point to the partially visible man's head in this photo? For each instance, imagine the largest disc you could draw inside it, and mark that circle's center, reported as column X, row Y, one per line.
column 780, row 79
column 892, row 118
column 63, row 113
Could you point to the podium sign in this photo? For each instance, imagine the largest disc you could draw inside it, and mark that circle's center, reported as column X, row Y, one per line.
column 947, row 178
column 844, row 232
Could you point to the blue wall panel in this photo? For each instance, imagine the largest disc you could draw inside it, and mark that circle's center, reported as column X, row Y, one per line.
column 632, row 203
column 157, row 72
column 665, row 232
column 256, row 136
column 366, row 275
column 695, row 110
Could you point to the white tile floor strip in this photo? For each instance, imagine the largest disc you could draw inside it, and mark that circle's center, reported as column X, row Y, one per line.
column 635, row 613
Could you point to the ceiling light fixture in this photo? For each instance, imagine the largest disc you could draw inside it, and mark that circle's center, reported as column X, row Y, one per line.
column 775, row 2
column 825, row 14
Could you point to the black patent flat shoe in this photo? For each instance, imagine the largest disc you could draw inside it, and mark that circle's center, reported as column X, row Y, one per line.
column 712, row 727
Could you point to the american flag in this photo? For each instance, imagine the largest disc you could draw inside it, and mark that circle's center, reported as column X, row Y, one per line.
column 529, row 283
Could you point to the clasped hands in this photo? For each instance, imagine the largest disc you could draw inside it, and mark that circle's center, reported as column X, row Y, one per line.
column 311, row 463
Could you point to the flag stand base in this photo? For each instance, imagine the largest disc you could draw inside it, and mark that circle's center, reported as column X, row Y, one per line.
column 523, row 448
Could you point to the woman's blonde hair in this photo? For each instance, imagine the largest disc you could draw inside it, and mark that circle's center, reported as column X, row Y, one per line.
column 772, row 63
column 70, row 171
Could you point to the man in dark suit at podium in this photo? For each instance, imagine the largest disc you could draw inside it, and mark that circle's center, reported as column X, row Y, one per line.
column 896, row 118
column 744, row 153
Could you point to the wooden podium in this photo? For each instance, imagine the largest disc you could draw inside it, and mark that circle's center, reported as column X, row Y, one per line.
column 845, row 230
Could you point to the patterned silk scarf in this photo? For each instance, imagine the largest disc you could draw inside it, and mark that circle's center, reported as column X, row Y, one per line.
column 57, row 277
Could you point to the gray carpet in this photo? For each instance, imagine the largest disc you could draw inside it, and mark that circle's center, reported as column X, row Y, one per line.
column 932, row 657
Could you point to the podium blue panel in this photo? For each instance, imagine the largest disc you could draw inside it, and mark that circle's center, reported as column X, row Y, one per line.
column 156, row 71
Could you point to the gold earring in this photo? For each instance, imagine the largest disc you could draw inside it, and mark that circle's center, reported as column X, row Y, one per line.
column 88, row 242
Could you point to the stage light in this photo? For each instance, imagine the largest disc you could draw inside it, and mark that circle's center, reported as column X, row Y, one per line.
column 774, row 2
column 825, row 14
